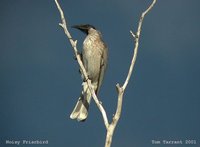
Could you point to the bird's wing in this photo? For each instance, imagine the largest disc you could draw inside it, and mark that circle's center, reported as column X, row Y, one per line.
column 104, row 58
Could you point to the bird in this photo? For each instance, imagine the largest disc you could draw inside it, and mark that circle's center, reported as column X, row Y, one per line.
column 94, row 57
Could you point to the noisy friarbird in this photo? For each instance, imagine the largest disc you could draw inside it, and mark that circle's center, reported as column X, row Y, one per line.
column 94, row 57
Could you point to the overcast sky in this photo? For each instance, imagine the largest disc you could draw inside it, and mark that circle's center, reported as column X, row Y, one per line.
column 40, row 82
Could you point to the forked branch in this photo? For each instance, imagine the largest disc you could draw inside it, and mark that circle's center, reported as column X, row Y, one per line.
column 121, row 89
column 110, row 127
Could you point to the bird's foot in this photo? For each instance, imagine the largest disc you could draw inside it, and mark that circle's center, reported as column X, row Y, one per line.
column 78, row 54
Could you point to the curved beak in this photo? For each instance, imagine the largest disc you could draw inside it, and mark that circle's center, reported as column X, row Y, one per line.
column 82, row 28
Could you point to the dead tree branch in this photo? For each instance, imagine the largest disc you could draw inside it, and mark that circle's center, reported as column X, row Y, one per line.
column 110, row 127
column 121, row 89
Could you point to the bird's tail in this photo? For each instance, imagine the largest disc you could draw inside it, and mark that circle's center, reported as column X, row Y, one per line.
column 80, row 111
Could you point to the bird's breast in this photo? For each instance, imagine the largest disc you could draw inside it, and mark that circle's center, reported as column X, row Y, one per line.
column 92, row 57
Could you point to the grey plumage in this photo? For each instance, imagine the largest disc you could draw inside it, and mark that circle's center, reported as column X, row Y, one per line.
column 94, row 57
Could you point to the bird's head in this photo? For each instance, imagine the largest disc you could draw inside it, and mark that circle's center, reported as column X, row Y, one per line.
column 84, row 28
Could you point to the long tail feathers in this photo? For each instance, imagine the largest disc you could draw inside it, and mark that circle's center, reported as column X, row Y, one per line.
column 80, row 111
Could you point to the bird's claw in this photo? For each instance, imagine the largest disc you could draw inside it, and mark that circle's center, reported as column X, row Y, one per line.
column 78, row 54
column 75, row 58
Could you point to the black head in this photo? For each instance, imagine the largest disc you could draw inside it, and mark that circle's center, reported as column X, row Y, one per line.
column 84, row 28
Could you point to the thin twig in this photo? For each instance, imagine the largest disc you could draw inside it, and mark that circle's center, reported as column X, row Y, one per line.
column 121, row 89
column 136, row 38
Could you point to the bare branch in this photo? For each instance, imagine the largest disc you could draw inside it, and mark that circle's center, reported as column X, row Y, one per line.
column 136, row 38
column 121, row 90
column 73, row 43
